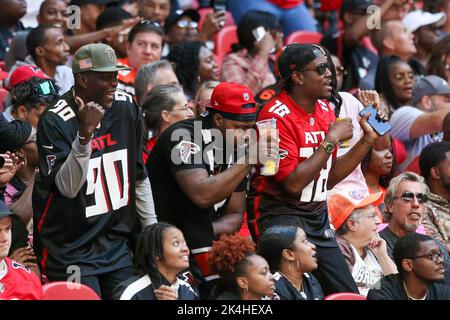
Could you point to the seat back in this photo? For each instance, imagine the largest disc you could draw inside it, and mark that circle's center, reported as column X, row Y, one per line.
column 304, row 37
column 61, row 290
column 345, row 296
column 224, row 39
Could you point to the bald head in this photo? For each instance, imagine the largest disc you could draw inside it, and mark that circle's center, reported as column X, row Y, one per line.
column 394, row 39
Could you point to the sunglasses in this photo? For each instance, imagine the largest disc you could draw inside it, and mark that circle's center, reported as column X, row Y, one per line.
column 185, row 24
column 320, row 69
column 150, row 23
column 45, row 88
column 408, row 197
column 434, row 256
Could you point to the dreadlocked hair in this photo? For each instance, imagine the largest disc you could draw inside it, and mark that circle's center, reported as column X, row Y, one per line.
column 335, row 98
column 185, row 56
column 229, row 258
column 149, row 247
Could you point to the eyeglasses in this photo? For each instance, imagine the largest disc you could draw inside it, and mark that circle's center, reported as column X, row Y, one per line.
column 320, row 69
column 185, row 109
column 408, row 197
column 340, row 70
column 185, row 24
column 150, row 23
column 434, row 256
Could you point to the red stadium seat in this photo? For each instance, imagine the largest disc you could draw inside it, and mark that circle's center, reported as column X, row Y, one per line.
column 3, row 94
column 224, row 39
column 304, row 37
column 61, row 290
column 345, row 296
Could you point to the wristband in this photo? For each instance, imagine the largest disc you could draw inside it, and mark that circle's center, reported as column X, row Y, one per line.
column 83, row 138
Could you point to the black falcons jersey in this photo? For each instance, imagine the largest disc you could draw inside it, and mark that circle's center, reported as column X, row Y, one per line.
column 92, row 229
column 188, row 144
column 142, row 288
column 311, row 289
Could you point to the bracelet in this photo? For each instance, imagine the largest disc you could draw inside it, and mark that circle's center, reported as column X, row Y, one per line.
column 83, row 138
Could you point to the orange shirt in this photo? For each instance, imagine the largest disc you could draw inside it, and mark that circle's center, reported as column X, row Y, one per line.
column 126, row 77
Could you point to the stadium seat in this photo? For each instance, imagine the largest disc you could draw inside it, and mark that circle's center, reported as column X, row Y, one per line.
column 61, row 290
column 3, row 94
column 345, row 296
column 224, row 39
column 304, row 37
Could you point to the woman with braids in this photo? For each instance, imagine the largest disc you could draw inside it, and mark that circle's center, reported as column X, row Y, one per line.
column 291, row 257
column 194, row 63
column 439, row 62
column 394, row 81
column 245, row 275
column 161, row 255
column 163, row 106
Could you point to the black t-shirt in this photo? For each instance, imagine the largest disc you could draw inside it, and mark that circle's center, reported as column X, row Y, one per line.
column 286, row 291
column 19, row 234
column 391, row 288
column 142, row 288
column 391, row 239
column 187, row 145
column 93, row 229
column 6, row 37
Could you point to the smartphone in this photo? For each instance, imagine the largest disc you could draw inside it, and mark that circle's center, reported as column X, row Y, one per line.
column 219, row 5
column 259, row 33
column 380, row 126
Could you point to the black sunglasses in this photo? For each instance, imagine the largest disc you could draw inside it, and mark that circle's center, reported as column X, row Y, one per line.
column 434, row 256
column 320, row 69
column 408, row 197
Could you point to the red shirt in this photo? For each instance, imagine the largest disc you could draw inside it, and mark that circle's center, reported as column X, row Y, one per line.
column 126, row 77
column 287, row 4
column 149, row 146
column 19, row 283
column 300, row 136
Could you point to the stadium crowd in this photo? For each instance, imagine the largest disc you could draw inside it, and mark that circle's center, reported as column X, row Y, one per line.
column 137, row 157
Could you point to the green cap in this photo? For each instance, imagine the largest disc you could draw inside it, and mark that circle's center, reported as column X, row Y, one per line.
column 96, row 57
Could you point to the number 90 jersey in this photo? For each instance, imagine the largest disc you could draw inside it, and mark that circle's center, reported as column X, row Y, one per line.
column 92, row 229
column 300, row 136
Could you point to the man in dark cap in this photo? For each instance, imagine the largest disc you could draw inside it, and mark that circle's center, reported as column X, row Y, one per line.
column 309, row 166
column 198, row 187
column 92, row 188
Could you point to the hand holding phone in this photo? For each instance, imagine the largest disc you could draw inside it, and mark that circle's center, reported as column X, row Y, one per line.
column 219, row 5
column 380, row 126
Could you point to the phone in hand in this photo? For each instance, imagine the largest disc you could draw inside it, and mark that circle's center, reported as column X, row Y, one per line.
column 219, row 5
column 380, row 126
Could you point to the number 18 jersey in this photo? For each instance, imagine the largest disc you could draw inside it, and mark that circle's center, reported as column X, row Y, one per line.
column 300, row 136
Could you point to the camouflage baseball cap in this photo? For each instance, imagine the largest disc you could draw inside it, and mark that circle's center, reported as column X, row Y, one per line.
column 96, row 57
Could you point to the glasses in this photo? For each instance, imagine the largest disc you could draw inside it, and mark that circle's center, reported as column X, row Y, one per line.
column 408, row 197
column 148, row 22
column 434, row 256
column 320, row 69
column 185, row 109
column 45, row 88
column 373, row 215
column 185, row 24
column 340, row 70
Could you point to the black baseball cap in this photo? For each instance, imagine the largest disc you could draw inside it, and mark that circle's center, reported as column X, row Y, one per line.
column 355, row 6
column 175, row 16
column 5, row 211
column 296, row 56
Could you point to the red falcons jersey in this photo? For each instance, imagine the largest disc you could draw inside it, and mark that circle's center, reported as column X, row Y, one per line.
column 19, row 283
column 300, row 136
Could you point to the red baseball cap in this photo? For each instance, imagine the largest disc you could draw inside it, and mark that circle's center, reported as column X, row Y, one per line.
column 341, row 204
column 3, row 75
column 234, row 101
column 24, row 73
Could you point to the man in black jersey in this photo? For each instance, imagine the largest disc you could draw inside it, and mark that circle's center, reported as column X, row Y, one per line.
column 92, row 193
column 195, row 189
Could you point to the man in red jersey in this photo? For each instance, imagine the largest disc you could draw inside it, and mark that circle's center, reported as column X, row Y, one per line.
column 309, row 135
column 17, row 282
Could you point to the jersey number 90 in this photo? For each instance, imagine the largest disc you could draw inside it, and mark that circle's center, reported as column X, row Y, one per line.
column 105, row 182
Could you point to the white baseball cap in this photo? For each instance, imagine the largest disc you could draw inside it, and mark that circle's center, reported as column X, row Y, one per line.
column 417, row 19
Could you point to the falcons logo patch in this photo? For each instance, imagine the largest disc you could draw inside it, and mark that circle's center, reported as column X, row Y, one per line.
column 187, row 149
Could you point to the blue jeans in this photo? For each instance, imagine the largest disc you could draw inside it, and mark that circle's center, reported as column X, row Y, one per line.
column 297, row 18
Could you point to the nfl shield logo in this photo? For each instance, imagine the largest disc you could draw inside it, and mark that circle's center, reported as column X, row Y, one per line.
column 311, row 121
column 246, row 96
